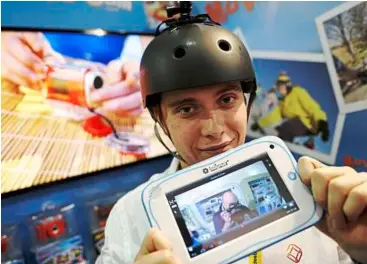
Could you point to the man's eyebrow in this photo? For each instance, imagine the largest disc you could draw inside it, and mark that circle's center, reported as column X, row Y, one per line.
column 181, row 101
column 229, row 88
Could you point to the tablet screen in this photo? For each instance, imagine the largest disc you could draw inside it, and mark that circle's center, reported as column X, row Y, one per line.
column 229, row 204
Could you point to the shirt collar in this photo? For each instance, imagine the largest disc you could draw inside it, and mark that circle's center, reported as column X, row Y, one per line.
column 173, row 167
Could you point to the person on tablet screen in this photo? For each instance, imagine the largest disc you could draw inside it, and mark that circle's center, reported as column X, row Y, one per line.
column 231, row 213
column 198, row 82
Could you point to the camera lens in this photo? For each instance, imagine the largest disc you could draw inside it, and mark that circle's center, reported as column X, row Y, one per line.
column 272, row 146
column 98, row 82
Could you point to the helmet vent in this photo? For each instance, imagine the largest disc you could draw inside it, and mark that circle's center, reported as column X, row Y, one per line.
column 179, row 53
column 224, row 45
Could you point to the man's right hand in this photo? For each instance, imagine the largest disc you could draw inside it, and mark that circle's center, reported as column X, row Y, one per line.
column 226, row 217
column 155, row 249
column 227, row 221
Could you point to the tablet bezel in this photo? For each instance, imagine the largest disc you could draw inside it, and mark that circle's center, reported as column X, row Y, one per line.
column 160, row 213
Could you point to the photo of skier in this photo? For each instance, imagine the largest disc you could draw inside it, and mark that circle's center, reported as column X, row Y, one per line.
column 300, row 113
column 294, row 105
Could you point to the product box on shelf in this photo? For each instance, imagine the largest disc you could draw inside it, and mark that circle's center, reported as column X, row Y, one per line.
column 55, row 236
column 11, row 246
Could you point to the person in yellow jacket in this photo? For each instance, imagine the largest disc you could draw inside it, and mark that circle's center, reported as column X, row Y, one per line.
column 304, row 115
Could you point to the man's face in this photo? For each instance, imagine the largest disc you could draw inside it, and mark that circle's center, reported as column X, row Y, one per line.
column 203, row 122
column 282, row 88
column 229, row 199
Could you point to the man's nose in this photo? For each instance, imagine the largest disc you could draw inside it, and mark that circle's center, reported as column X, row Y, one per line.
column 213, row 125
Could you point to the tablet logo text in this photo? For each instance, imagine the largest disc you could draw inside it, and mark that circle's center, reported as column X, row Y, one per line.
column 215, row 167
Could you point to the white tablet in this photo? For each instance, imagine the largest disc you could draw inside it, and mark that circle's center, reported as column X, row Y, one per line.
column 232, row 205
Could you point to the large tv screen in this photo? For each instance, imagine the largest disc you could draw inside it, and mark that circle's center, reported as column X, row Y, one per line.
column 57, row 89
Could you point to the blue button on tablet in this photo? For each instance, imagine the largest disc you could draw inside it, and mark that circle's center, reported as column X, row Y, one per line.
column 292, row 176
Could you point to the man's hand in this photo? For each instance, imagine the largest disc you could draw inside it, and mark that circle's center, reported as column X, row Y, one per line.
column 122, row 94
column 342, row 192
column 227, row 220
column 226, row 217
column 155, row 249
column 24, row 57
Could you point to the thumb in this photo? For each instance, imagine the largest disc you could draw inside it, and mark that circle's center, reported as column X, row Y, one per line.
column 154, row 241
column 306, row 166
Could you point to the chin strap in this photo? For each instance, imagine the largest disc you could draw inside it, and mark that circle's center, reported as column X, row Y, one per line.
column 250, row 101
column 174, row 154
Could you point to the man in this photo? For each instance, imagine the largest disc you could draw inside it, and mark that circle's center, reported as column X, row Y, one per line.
column 193, row 80
column 231, row 213
column 302, row 114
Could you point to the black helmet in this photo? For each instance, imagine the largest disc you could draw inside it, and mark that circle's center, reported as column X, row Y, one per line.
column 193, row 52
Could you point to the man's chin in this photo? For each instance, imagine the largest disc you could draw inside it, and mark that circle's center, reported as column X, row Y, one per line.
column 209, row 154
column 204, row 155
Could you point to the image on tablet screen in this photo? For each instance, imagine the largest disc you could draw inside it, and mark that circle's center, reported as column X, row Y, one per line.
column 226, row 205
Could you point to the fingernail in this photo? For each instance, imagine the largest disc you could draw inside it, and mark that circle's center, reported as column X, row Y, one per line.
column 130, row 82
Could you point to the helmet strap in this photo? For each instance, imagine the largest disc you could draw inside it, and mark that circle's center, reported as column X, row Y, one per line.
column 174, row 154
column 158, row 121
column 250, row 101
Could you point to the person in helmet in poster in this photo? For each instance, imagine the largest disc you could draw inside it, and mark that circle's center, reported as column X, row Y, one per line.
column 300, row 113
column 198, row 82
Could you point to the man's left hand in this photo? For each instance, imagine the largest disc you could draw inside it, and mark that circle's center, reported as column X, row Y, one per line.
column 342, row 192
